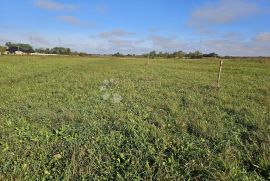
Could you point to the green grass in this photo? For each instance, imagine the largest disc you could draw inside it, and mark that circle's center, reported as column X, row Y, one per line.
column 171, row 124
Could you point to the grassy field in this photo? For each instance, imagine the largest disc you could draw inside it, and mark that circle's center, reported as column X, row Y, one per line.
column 71, row 118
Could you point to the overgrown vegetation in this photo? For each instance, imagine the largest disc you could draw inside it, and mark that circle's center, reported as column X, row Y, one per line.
column 171, row 123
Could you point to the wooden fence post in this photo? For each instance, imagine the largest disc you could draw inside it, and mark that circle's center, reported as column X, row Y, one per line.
column 219, row 73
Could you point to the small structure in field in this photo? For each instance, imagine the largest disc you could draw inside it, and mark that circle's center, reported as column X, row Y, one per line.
column 19, row 53
column 43, row 54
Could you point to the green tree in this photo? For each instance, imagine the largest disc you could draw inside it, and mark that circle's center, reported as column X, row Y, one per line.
column 47, row 50
column 83, row 54
column 2, row 50
column 117, row 55
column 195, row 55
column 152, row 54
column 213, row 55
column 40, row 50
column 60, row 50
column 68, row 51
column 160, row 54
column 179, row 54
column 198, row 54
column 19, row 46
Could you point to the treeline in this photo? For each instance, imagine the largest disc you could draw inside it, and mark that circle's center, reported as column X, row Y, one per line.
column 178, row 54
column 26, row 48
column 59, row 51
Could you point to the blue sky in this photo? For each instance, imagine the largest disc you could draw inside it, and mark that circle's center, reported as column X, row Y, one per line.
column 228, row 27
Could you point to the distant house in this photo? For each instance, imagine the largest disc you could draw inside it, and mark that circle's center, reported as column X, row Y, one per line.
column 19, row 53
column 43, row 54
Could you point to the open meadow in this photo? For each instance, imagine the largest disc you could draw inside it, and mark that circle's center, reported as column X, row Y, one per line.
column 83, row 118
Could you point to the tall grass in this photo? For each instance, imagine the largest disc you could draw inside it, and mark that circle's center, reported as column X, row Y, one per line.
column 171, row 123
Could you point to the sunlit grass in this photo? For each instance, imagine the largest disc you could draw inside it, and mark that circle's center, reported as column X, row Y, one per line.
column 109, row 118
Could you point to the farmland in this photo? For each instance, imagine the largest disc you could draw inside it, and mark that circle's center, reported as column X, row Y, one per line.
column 75, row 118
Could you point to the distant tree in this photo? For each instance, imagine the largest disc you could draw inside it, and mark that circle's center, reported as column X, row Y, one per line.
column 213, row 55
column 195, row 55
column 12, row 47
column 117, row 55
column 61, row 50
column 75, row 53
column 152, row 54
column 9, row 44
column 198, row 54
column 160, row 54
column 169, row 55
column 227, row 57
column 82, row 54
column 3, row 49
column 179, row 54
column 40, row 50
column 166, row 55
column 47, row 51
column 68, row 51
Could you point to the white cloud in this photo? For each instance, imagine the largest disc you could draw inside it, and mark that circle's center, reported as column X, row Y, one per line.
column 127, row 46
column 75, row 21
column 102, row 8
column 238, row 47
column 38, row 40
column 34, row 39
column 69, row 19
column 115, row 33
column 153, row 30
column 169, row 44
column 119, row 40
column 54, row 5
column 233, row 36
column 122, row 43
column 263, row 37
column 222, row 12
